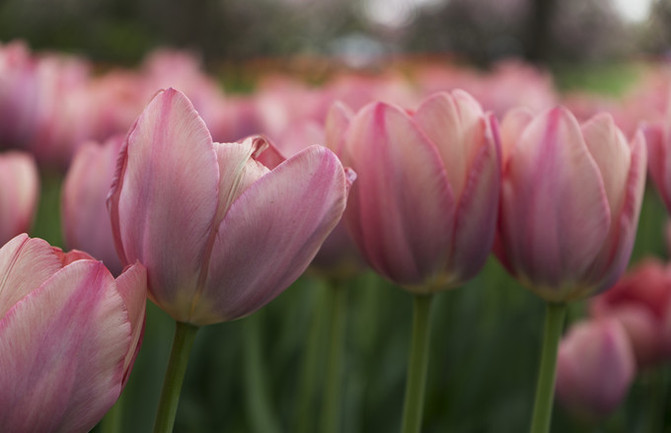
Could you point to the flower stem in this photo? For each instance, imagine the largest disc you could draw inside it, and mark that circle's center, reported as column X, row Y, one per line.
column 185, row 335
column 417, row 365
column 304, row 410
column 545, row 387
column 260, row 410
column 111, row 423
column 331, row 408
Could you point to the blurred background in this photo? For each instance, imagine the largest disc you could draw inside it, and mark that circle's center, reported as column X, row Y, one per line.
column 355, row 31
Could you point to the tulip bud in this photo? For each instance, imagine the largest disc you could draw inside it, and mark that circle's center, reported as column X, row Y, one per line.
column 595, row 367
column 570, row 201
column 86, row 224
column 18, row 195
column 423, row 209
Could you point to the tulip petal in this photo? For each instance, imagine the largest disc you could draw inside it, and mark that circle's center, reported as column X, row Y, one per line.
column 25, row 264
column 167, row 178
column 237, row 171
column 613, row 259
column 401, row 190
column 337, row 121
column 454, row 125
column 512, row 127
column 554, row 215
column 271, row 233
column 61, row 350
column 132, row 287
column 18, row 196
column 659, row 161
column 476, row 214
column 85, row 219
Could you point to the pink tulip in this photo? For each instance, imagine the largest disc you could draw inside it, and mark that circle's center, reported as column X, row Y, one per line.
column 595, row 367
column 18, row 195
column 658, row 138
column 570, row 202
column 222, row 228
column 641, row 302
column 423, row 209
column 69, row 335
column 86, row 224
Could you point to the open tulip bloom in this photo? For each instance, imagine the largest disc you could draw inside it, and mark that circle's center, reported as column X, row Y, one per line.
column 570, row 201
column 423, row 209
column 69, row 334
column 223, row 228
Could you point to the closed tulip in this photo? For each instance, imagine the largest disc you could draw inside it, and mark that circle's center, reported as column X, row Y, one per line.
column 423, row 209
column 18, row 195
column 86, row 224
column 570, row 202
column 222, row 228
column 641, row 302
column 69, row 334
column 658, row 139
column 595, row 368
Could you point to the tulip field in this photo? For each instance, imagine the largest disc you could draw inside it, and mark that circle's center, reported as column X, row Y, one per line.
column 417, row 247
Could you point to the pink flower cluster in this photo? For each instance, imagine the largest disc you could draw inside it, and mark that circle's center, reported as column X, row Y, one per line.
column 187, row 204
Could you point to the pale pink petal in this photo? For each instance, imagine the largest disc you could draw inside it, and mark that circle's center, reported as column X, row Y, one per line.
column 165, row 197
column 270, row 235
column 401, row 208
column 595, row 367
column 512, row 127
column 18, row 195
column 615, row 253
column 659, row 160
column 455, row 125
column 25, row 264
column 132, row 287
column 61, row 352
column 477, row 209
column 237, row 170
column 337, row 122
column 554, row 215
column 86, row 223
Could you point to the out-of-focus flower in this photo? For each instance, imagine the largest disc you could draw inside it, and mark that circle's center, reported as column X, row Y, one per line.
column 570, row 201
column 18, row 195
column 338, row 256
column 86, row 223
column 69, row 335
column 423, row 209
column 595, row 367
column 222, row 228
column 641, row 302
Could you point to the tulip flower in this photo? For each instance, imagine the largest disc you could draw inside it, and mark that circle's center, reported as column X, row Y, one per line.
column 570, row 201
column 69, row 335
column 571, row 198
column 86, row 224
column 641, row 302
column 223, row 228
column 18, row 195
column 595, row 368
column 423, row 209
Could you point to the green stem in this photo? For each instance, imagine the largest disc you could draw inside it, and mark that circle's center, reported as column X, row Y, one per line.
column 303, row 416
column 545, row 387
column 331, row 408
column 111, row 423
column 417, row 365
column 259, row 408
column 185, row 335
